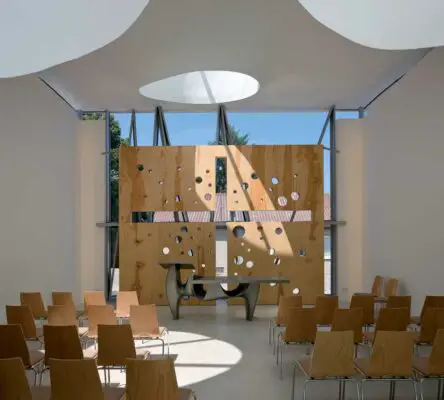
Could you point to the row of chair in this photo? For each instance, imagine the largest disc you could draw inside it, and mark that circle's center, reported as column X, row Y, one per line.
column 79, row 379
column 382, row 288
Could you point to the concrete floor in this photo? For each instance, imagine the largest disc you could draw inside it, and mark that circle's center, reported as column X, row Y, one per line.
column 222, row 356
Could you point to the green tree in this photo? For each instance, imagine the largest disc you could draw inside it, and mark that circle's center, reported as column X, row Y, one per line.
column 239, row 138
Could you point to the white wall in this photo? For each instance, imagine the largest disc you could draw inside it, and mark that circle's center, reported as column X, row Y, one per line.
column 404, row 182
column 349, row 170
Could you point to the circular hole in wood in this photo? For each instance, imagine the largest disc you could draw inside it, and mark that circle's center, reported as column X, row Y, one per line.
column 238, row 260
column 182, row 253
column 294, row 196
column 208, row 196
column 239, row 231
column 302, row 252
column 236, row 274
column 209, row 185
column 244, row 185
column 274, row 180
column 150, row 171
column 207, row 171
column 242, row 244
column 178, row 239
column 270, row 189
column 179, row 169
column 282, row 201
column 236, row 201
column 190, row 252
column 234, row 191
column 160, row 182
column 165, row 202
column 295, row 175
column 248, row 250
column 277, row 261
column 272, row 284
column 178, row 199
column 296, row 291
column 184, row 229
column 203, row 265
column 278, row 231
column 261, row 238
column 190, row 189
column 249, row 264
column 165, row 250
column 191, row 237
column 199, row 179
column 260, row 228
column 272, row 252
column 199, row 228
column 254, row 175
column 140, row 167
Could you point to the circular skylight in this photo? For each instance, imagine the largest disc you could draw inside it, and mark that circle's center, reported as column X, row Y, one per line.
column 202, row 87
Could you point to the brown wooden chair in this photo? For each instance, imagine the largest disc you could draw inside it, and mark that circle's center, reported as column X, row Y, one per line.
column 93, row 298
column 63, row 343
column 300, row 330
column 367, row 304
column 13, row 344
column 22, row 315
column 377, row 287
column 432, row 367
column 429, row 302
column 145, row 325
column 154, row 379
column 99, row 315
column 35, row 302
column 332, row 359
column 432, row 321
column 14, row 384
column 285, row 303
column 391, row 360
column 390, row 289
column 325, row 307
column 124, row 301
column 400, row 302
column 79, row 379
column 389, row 319
column 65, row 299
column 348, row 319
column 116, row 344
column 64, row 316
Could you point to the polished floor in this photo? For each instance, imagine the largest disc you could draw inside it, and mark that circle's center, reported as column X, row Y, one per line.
column 222, row 356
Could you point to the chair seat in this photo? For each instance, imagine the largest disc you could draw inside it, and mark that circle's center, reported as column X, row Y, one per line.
column 36, row 356
column 421, row 365
column 143, row 335
column 114, row 393
column 417, row 341
column 41, row 393
column 363, row 366
column 90, row 352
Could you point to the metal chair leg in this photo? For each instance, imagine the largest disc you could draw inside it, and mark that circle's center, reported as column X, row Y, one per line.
column 294, row 381
column 362, row 388
column 281, row 356
column 269, row 332
column 304, row 390
column 357, row 390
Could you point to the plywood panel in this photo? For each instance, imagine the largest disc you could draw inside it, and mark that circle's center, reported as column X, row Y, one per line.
column 172, row 178
column 142, row 249
column 294, row 250
column 274, row 177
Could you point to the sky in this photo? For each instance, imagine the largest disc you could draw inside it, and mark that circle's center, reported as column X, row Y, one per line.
column 187, row 129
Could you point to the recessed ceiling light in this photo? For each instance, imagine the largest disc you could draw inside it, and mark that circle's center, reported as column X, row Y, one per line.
column 202, row 87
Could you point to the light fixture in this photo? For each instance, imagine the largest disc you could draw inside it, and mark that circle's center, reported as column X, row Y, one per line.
column 383, row 24
column 202, row 87
column 35, row 35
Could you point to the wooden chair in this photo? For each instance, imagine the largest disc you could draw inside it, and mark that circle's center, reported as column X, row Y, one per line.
column 400, row 302
column 377, row 286
column 367, row 304
column 13, row 345
column 300, row 330
column 332, row 359
column 390, row 289
column 64, row 316
column 93, row 298
column 22, row 315
column 325, row 307
column 35, row 302
column 14, row 384
column 65, row 299
column 63, row 343
column 285, row 303
column 391, row 360
column 124, row 301
column 99, row 315
column 152, row 380
column 116, row 344
column 433, row 320
column 432, row 367
column 429, row 302
column 145, row 325
column 79, row 379
column 389, row 319
column 348, row 319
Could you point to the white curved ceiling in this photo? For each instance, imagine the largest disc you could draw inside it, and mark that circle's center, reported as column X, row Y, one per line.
column 37, row 34
column 298, row 62
column 383, row 24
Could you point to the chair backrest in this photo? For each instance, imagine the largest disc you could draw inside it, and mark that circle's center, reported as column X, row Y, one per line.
column 35, row 302
column 348, row 319
column 325, row 308
column 431, row 302
column 436, row 360
column 367, row 303
column 75, row 379
column 433, row 320
column 285, row 303
column 13, row 343
column 22, row 315
column 64, row 299
column 93, row 298
column 333, row 355
column 301, row 325
column 115, row 345
column 143, row 320
column 377, row 286
column 62, row 342
column 103, row 315
column 61, row 315
column 399, row 302
column 13, row 381
column 391, row 287
column 124, row 301
column 392, row 354
column 392, row 319
column 151, row 380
